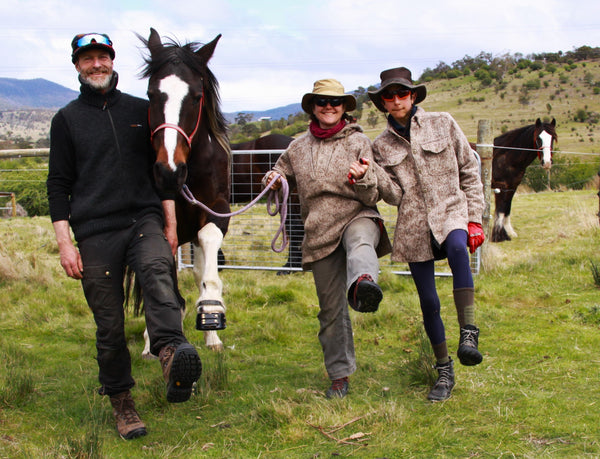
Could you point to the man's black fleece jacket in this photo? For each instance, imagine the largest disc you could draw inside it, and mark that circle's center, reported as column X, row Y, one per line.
column 100, row 170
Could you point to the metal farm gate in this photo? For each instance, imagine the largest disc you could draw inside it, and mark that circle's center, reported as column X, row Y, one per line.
column 247, row 244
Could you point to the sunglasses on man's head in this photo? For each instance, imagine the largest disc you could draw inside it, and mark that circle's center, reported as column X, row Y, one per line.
column 91, row 38
column 389, row 94
column 333, row 101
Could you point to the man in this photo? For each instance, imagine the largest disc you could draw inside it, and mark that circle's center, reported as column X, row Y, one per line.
column 100, row 186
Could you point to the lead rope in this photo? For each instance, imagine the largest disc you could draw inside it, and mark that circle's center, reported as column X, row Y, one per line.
column 280, row 207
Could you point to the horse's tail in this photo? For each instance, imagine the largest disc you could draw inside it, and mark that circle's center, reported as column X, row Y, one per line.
column 133, row 290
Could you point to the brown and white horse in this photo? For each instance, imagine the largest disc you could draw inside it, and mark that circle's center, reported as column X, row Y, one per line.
column 190, row 140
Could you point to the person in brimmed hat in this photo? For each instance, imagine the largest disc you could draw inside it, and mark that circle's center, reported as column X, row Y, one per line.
column 344, row 234
column 433, row 177
column 100, row 187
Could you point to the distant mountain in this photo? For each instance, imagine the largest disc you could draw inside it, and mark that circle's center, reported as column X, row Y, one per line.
column 33, row 94
column 273, row 113
column 43, row 94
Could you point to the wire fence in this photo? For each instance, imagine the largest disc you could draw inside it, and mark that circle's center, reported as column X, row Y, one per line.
column 247, row 244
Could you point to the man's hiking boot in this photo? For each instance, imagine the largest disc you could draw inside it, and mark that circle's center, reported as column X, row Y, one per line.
column 365, row 295
column 338, row 389
column 129, row 424
column 468, row 354
column 181, row 368
column 442, row 388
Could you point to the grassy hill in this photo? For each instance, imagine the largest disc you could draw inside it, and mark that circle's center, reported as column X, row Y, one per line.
column 561, row 95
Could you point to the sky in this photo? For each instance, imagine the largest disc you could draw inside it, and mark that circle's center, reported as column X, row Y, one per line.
column 271, row 52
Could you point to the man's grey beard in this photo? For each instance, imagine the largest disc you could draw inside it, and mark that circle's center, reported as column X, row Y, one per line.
column 101, row 85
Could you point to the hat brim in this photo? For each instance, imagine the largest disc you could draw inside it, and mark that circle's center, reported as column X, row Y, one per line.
column 419, row 89
column 307, row 106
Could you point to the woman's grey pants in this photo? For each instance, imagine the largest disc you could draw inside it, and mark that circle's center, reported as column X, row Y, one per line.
column 333, row 276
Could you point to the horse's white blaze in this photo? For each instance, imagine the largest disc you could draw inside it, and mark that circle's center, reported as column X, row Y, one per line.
column 546, row 149
column 176, row 89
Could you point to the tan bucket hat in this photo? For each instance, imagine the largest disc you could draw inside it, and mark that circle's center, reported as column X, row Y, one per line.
column 400, row 76
column 330, row 88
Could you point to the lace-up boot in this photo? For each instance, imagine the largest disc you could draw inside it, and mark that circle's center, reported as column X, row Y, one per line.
column 181, row 368
column 468, row 354
column 442, row 388
column 129, row 424
column 339, row 388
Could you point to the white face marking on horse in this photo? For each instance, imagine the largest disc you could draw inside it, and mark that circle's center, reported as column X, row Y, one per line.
column 176, row 89
column 546, row 156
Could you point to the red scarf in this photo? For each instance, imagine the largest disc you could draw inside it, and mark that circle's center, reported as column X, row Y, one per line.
column 321, row 133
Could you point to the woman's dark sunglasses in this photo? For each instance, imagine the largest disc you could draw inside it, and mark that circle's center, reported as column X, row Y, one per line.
column 389, row 94
column 323, row 101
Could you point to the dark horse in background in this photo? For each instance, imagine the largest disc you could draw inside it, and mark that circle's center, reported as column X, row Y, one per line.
column 248, row 170
column 189, row 136
column 513, row 152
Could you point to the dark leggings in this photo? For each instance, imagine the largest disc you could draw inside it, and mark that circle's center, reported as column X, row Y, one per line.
column 423, row 274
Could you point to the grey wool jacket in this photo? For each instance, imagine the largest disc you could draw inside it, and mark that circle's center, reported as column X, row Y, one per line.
column 434, row 180
column 319, row 169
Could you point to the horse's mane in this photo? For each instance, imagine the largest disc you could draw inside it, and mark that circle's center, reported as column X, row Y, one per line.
column 509, row 137
column 175, row 53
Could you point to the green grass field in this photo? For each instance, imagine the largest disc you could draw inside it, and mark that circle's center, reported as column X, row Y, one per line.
column 535, row 394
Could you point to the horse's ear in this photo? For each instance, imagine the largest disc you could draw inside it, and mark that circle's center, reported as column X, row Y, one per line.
column 207, row 50
column 154, row 43
column 538, row 122
column 553, row 122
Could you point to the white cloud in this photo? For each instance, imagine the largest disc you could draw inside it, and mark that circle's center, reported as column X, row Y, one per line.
column 271, row 52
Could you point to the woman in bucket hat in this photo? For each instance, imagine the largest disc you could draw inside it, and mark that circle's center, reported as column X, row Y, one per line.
column 433, row 177
column 344, row 234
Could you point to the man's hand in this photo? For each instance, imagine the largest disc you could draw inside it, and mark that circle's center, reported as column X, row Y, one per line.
column 170, row 229
column 70, row 258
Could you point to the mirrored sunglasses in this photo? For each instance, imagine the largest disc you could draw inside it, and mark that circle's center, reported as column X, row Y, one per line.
column 389, row 94
column 93, row 38
column 323, row 101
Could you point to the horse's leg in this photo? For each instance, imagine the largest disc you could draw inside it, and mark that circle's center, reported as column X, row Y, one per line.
column 509, row 229
column 499, row 231
column 146, row 354
column 206, row 274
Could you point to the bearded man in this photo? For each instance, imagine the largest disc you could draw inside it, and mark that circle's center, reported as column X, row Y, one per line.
column 100, row 186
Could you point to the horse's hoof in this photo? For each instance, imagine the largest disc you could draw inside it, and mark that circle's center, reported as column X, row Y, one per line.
column 148, row 356
column 217, row 347
column 206, row 321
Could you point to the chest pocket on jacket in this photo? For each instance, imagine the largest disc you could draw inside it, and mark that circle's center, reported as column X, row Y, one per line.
column 438, row 158
column 391, row 159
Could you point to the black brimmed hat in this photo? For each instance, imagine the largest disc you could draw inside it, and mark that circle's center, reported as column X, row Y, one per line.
column 397, row 76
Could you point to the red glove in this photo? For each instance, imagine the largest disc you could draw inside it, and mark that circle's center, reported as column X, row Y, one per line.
column 476, row 236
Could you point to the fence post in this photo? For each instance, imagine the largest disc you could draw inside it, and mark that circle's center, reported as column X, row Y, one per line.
column 485, row 150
